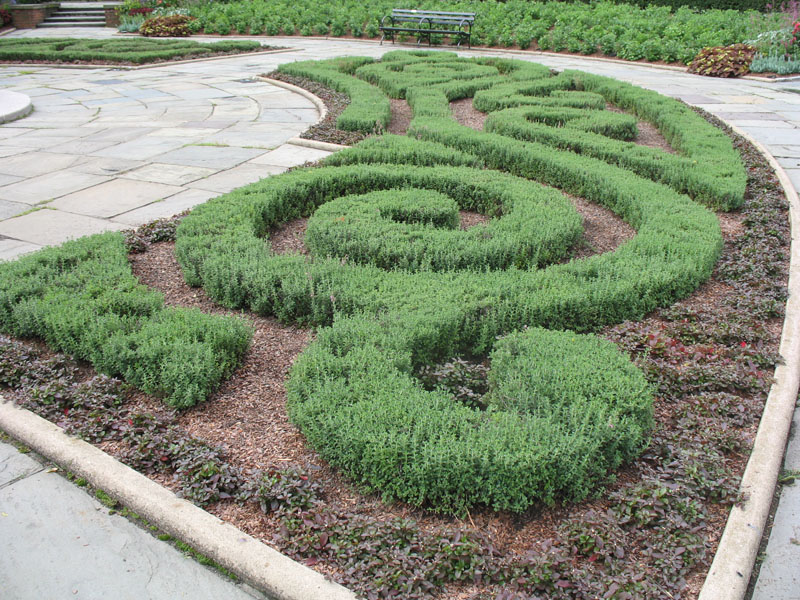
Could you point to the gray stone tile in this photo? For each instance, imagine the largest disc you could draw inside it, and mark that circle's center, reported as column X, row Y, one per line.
column 47, row 227
column 32, row 164
column 80, row 147
column 15, row 465
column 169, row 174
column 771, row 136
column 785, row 150
column 10, row 209
column 225, row 181
column 106, row 166
column 753, row 116
column 142, row 148
column 292, row 115
column 166, row 208
column 7, row 179
column 48, row 186
column 779, row 578
column 114, row 197
column 74, row 548
column 12, row 249
column 794, row 175
column 212, row 157
column 12, row 150
column 269, row 137
column 290, row 155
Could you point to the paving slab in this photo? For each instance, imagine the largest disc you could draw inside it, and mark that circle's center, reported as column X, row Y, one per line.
column 114, row 197
column 11, row 249
column 10, row 209
column 225, row 181
column 169, row 174
column 141, row 148
column 6, row 150
column 8, row 179
column 210, row 157
column 32, row 164
column 290, row 155
column 166, row 208
column 49, row 186
column 106, row 166
column 81, row 551
column 48, row 227
column 779, row 577
column 15, row 465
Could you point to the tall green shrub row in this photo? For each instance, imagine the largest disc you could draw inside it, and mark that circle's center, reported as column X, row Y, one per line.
column 82, row 298
column 671, row 33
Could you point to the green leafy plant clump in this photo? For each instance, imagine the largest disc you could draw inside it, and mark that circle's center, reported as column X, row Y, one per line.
column 728, row 61
column 673, row 32
column 82, row 299
column 136, row 51
column 167, row 26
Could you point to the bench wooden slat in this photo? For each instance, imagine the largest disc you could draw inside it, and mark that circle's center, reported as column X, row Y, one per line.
column 453, row 23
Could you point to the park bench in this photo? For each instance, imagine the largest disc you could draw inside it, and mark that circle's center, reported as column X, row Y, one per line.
column 426, row 23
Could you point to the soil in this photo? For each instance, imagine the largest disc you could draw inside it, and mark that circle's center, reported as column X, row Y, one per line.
column 401, row 117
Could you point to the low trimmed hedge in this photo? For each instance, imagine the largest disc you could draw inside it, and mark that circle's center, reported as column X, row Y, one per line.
column 369, row 110
column 415, row 229
column 355, row 394
column 137, row 51
column 81, row 298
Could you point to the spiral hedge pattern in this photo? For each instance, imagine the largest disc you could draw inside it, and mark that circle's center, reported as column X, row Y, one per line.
column 393, row 287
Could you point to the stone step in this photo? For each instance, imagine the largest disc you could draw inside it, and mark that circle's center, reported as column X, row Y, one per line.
column 80, row 12
column 78, row 19
column 73, row 24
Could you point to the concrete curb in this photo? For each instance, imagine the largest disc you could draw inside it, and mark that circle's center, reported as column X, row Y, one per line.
column 731, row 569
column 259, row 565
column 297, row 141
column 323, row 110
column 13, row 106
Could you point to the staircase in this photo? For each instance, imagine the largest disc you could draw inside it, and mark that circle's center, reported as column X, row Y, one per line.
column 77, row 14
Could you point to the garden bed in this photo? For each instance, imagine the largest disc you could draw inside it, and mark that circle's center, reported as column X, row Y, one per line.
column 136, row 51
column 648, row 531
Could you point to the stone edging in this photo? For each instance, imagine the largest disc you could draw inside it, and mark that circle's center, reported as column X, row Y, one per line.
column 21, row 106
column 323, row 110
column 315, row 144
column 256, row 563
column 733, row 562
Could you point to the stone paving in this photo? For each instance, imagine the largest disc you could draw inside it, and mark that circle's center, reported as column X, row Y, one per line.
column 96, row 555
column 109, row 149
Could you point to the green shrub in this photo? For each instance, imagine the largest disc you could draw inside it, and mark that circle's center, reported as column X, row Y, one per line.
column 81, row 298
column 416, row 229
column 369, row 109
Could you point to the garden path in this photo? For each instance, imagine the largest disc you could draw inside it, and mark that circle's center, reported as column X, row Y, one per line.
column 107, row 149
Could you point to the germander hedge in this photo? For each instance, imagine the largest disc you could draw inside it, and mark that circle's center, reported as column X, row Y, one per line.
column 416, row 229
column 355, row 394
column 81, row 298
column 369, row 109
